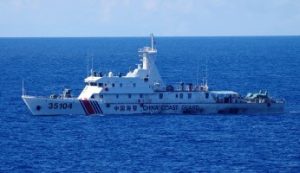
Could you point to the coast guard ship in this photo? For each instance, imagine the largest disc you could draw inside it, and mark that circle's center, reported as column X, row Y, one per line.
column 142, row 91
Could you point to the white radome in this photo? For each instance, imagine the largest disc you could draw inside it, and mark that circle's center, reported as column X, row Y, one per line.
column 142, row 91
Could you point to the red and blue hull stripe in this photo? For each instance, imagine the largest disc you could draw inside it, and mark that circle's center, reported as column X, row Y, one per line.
column 91, row 107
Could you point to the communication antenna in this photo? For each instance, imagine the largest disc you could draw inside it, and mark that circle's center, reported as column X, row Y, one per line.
column 152, row 41
column 89, row 70
column 92, row 69
column 92, row 62
column 206, row 76
column 197, row 72
column 23, row 88
column 87, row 65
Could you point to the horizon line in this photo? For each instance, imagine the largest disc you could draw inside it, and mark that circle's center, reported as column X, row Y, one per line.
column 162, row 36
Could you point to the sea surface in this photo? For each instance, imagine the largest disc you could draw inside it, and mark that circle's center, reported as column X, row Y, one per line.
column 156, row 143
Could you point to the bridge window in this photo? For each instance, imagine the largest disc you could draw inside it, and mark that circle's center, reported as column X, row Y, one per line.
column 207, row 95
column 113, row 85
column 161, row 95
column 176, row 95
column 141, row 95
column 189, row 95
column 117, row 96
column 93, row 84
column 129, row 95
column 181, row 95
column 100, row 84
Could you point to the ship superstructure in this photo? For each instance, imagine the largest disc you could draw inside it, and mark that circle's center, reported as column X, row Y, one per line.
column 142, row 91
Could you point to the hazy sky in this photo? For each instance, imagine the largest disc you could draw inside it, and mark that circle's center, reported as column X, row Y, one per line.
column 141, row 17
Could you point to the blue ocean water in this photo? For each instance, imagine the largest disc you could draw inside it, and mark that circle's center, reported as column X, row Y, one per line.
column 158, row 143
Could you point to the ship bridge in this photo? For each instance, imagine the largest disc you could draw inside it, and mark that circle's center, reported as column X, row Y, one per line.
column 140, row 80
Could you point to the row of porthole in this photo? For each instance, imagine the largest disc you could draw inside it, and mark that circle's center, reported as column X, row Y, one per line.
column 117, row 96
column 101, row 84
column 161, row 95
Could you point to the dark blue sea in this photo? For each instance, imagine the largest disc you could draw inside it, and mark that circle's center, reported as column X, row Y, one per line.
column 157, row 143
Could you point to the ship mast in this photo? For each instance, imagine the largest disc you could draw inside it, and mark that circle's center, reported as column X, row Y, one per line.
column 148, row 55
column 152, row 41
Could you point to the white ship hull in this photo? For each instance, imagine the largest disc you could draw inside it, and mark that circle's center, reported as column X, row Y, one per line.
column 142, row 91
column 74, row 106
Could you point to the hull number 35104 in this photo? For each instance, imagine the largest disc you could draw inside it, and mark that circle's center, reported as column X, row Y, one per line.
column 60, row 105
